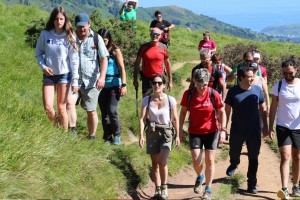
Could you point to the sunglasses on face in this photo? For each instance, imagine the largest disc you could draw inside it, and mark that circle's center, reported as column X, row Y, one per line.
column 157, row 82
column 285, row 74
column 155, row 34
column 248, row 61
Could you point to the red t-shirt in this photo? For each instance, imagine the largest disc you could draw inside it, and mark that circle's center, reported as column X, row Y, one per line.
column 153, row 59
column 202, row 115
column 263, row 71
column 210, row 44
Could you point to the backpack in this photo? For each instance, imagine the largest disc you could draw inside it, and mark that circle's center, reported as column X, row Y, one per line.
column 166, row 38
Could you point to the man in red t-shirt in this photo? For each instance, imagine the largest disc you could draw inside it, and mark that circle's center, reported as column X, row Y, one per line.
column 216, row 81
column 155, row 60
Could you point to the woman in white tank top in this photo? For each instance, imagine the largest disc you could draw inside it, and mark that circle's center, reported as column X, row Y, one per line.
column 159, row 115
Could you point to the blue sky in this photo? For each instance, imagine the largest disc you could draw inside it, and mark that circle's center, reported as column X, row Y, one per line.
column 254, row 14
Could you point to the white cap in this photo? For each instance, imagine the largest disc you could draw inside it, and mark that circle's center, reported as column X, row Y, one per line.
column 256, row 55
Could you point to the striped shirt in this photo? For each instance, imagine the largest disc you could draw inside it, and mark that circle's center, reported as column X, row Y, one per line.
column 89, row 71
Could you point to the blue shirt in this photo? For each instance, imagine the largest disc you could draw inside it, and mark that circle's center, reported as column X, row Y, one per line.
column 89, row 70
column 112, row 79
column 245, row 109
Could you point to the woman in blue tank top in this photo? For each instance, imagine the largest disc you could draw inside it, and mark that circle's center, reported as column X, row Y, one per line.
column 114, row 88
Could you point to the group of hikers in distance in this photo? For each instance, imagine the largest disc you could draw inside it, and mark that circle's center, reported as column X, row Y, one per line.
column 86, row 67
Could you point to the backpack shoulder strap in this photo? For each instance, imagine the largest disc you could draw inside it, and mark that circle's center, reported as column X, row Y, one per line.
column 213, row 100
column 169, row 107
column 96, row 41
column 190, row 94
column 279, row 87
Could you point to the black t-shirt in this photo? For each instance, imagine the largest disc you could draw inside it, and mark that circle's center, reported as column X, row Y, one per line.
column 215, row 76
column 161, row 25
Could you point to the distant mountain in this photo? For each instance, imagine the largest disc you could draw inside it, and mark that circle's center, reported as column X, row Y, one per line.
column 290, row 32
column 184, row 17
column 176, row 15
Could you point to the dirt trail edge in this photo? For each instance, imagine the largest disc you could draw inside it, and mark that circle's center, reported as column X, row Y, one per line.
column 181, row 184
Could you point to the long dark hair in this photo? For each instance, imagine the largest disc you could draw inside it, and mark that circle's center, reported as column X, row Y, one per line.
column 67, row 25
column 104, row 33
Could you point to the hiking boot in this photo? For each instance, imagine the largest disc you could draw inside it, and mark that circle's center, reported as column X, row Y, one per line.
column 206, row 195
column 283, row 194
column 164, row 192
column 157, row 194
column 117, row 140
column 230, row 170
column 296, row 192
column 198, row 186
column 73, row 131
column 252, row 188
column 91, row 137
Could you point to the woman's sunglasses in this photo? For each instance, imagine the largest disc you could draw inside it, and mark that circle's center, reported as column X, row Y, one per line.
column 157, row 82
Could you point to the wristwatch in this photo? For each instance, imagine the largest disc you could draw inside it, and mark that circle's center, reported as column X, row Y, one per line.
column 123, row 85
column 224, row 129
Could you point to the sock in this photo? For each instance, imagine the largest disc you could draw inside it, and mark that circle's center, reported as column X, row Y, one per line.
column 201, row 177
column 207, row 189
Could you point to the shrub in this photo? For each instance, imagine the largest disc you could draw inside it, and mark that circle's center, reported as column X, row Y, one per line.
column 233, row 54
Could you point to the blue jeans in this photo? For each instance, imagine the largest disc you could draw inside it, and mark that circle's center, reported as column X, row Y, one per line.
column 108, row 102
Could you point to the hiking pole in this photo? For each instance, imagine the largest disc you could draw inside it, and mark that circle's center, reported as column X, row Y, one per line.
column 136, row 101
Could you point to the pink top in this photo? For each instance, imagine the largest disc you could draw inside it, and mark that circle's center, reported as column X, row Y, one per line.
column 210, row 44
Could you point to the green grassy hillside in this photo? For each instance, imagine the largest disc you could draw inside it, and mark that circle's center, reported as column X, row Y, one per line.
column 292, row 31
column 177, row 15
column 39, row 161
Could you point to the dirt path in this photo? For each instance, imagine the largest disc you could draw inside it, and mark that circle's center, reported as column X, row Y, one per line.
column 181, row 184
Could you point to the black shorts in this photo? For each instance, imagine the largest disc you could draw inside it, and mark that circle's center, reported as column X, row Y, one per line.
column 286, row 137
column 209, row 141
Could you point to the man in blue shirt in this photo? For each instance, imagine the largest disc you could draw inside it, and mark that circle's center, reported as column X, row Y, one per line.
column 91, row 71
column 247, row 103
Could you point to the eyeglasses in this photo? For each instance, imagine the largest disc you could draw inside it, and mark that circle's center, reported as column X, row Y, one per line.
column 247, row 61
column 158, row 16
column 157, row 82
column 155, row 34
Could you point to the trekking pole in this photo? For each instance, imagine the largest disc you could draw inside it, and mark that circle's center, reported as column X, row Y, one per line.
column 136, row 101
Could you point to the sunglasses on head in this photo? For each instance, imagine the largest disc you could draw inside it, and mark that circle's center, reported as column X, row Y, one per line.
column 155, row 34
column 157, row 82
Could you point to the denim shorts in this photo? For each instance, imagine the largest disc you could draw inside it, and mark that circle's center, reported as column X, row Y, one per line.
column 89, row 98
column 57, row 79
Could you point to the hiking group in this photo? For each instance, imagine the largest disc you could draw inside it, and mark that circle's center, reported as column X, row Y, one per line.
column 86, row 67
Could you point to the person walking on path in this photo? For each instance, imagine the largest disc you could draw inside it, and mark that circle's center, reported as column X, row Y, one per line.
column 216, row 78
column 286, row 103
column 257, row 59
column 114, row 88
column 159, row 116
column 207, row 118
column 247, row 59
column 217, row 60
column 56, row 53
column 92, row 69
column 155, row 60
column 247, row 104
column 207, row 43
column 163, row 25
